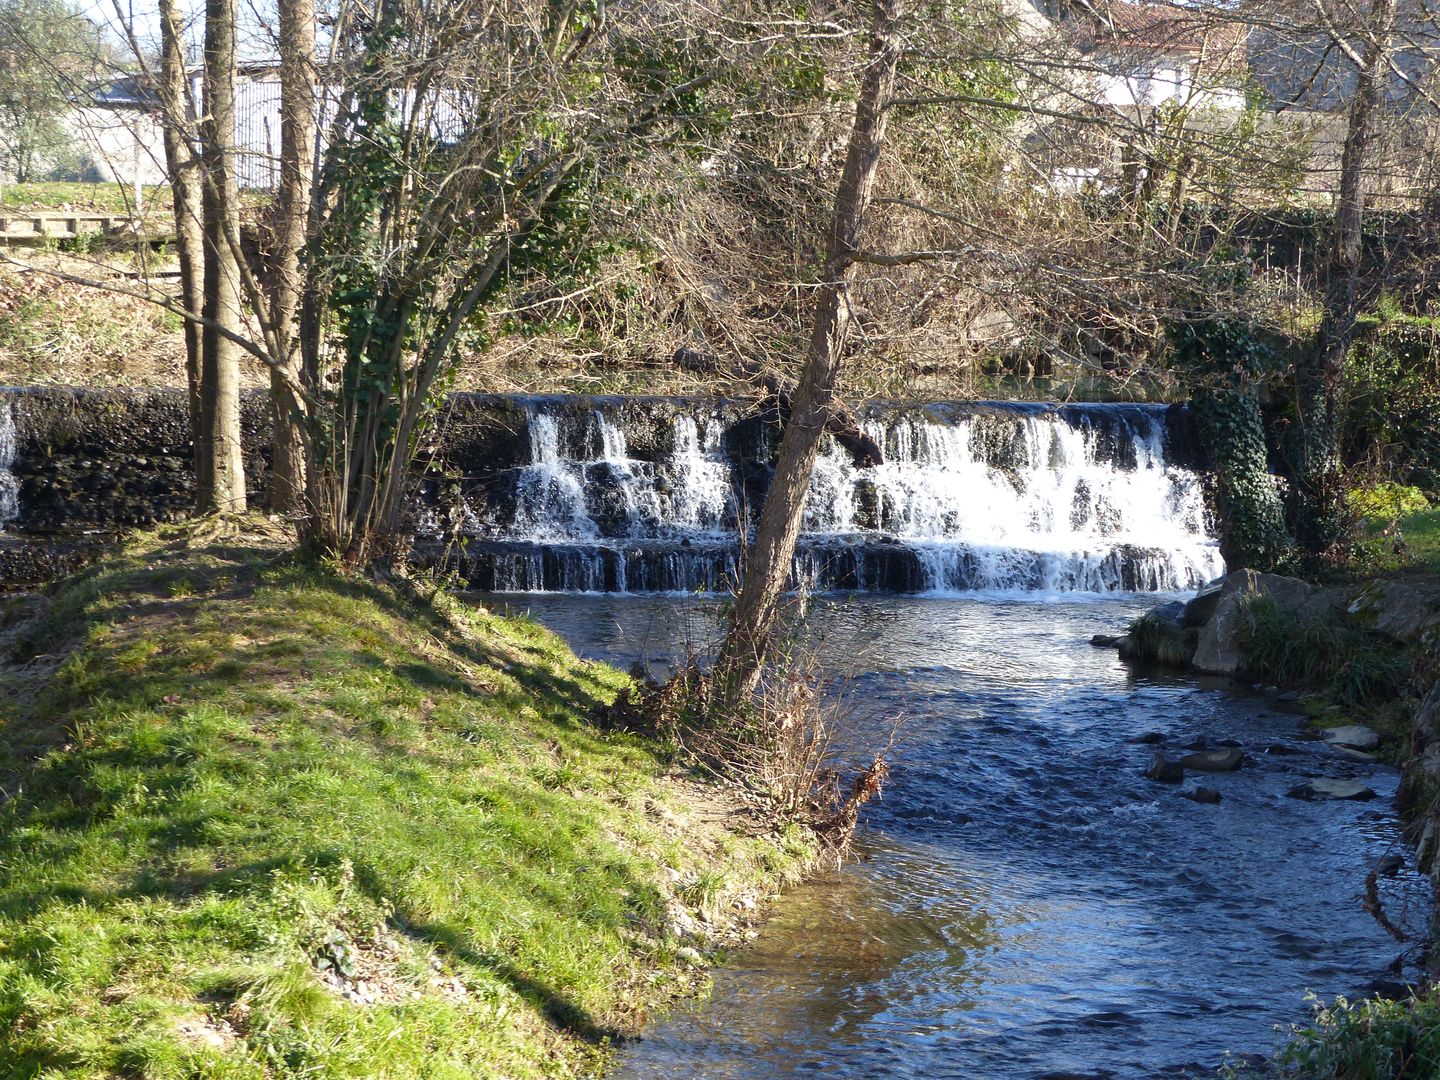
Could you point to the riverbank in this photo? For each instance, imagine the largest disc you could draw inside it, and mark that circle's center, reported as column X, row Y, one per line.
column 261, row 819
column 1359, row 652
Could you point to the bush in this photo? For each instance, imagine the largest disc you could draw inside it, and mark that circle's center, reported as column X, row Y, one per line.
column 1368, row 1040
column 1157, row 640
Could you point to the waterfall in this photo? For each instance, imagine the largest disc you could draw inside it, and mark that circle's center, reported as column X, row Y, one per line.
column 9, row 485
column 620, row 496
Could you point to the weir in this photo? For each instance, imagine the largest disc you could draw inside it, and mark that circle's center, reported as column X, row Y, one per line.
column 9, row 486
column 973, row 496
column 650, row 494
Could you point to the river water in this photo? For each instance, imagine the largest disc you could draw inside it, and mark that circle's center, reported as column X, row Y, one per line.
column 1028, row 905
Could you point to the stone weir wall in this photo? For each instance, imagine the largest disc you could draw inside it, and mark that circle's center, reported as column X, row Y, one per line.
column 88, row 460
column 647, row 493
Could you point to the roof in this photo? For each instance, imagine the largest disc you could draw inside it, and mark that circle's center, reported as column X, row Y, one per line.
column 1162, row 27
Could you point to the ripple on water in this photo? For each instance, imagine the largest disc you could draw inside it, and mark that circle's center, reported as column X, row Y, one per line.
column 1030, row 905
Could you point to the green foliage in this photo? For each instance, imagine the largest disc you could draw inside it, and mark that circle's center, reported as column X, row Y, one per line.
column 1222, row 358
column 1390, row 404
column 280, row 823
column 1387, row 500
column 48, row 52
column 1368, row 1040
column 1354, row 666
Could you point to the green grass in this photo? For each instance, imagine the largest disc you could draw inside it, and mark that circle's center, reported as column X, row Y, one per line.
column 253, row 786
column 1352, row 666
column 97, row 198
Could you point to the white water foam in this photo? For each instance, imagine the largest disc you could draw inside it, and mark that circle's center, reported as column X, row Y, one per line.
column 1057, row 517
column 9, row 485
column 1004, row 501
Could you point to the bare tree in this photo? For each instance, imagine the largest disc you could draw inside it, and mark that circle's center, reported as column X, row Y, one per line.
column 172, row 89
column 298, row 108
column 746, row 647
column 1318, row 377
column 221, row 480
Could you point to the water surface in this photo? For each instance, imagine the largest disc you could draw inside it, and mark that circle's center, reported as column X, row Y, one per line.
column 1029, row 904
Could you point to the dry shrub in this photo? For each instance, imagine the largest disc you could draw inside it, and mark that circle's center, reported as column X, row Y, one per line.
column 779, row 744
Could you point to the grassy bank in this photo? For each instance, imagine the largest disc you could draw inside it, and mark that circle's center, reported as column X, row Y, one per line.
column 261, row 821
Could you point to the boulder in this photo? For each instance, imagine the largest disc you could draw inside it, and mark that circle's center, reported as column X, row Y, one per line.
column 1331, row 789
column 1218, row 650
column 1104, row 641
column 1174, row 611
column 1404, row 611
column 1150, row 738
column 1164, row 770
column 1353, row 737
column 1389, row 865
column 1226, row 759
column 1205, row 795
column 1353, row 755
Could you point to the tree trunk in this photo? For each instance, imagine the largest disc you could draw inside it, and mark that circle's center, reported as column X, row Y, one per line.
column 1318, row 511
column 221, row 479
column 183, row 168
column 297, row 160
column 757, row 608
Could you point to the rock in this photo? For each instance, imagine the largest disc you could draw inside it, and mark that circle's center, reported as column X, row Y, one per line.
column 1354, row 755
column 1203, row 795
column 1174, row 611
column 1226, row 759
column 1202, row 605
column 1150, row 738
column 1218, row 650
column 1280, row 749
column 1389, row 865
column 1352, row 736
column 1331, row 789
column 1164, row 770
column 1104, row 641
column 689, row 955
column 1404, row 611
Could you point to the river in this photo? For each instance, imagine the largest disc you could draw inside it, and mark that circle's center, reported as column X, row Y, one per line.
column 1027, row 904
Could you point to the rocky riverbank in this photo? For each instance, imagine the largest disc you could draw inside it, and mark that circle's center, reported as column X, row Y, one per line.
column 1358, row 659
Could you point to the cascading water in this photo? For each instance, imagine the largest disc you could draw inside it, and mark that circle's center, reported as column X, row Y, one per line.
column 9, row 486
column 969, row 497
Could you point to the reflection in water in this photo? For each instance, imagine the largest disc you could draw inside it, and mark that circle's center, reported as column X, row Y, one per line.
column 1030, row 904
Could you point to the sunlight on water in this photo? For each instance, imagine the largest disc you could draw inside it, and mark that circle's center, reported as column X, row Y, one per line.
column 1029, row 904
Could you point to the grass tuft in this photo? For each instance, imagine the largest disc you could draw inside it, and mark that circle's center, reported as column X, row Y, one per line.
column 1354, row 666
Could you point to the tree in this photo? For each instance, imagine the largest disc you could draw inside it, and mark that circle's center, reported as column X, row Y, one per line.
column 1318, row 494
column 291, row 227
column 1223, row 358
column 768, row 559
column 49, row 54
column 220, row 482
column 182, row 165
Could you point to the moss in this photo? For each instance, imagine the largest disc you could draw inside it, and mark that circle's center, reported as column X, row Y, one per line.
column 280, row 822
